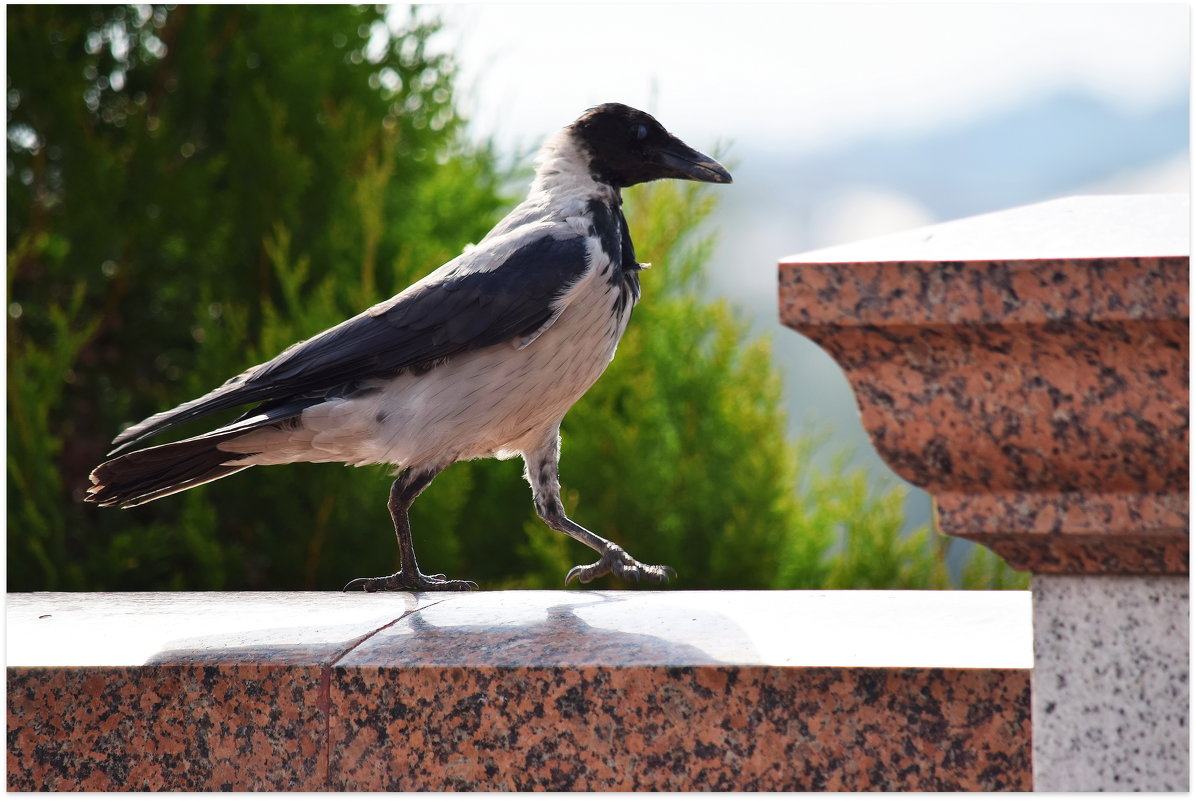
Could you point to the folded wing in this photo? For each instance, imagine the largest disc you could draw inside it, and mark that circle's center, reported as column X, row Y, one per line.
column 486, row 298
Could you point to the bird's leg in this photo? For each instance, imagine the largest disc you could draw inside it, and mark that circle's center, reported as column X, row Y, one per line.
column 402, row 494
column 542, row 474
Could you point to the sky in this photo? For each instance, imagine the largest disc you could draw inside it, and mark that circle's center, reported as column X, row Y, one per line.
column 800, row 76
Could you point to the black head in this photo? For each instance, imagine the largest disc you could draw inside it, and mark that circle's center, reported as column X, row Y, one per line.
column 629, row 147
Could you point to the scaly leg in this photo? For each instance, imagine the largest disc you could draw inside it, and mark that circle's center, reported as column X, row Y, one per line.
column 402, row 494
column 542, row 473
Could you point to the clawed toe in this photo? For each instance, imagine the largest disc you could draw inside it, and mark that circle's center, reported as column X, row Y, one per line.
column 359, row 584
column 417, row 582
column 617, row 561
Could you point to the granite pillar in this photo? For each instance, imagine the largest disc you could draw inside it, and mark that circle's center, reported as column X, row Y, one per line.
column 1029, row 368
column 1110, row 683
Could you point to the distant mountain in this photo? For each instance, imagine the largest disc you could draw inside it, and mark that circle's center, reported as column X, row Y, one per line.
column 1019, row 155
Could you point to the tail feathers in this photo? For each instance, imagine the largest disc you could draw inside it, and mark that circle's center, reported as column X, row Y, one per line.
column 231, row 393
column 146, row 475
column 223, row 397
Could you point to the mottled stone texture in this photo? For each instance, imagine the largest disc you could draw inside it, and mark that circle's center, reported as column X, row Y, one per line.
column 521, row 690
column 1111, row 671
column 630, row 728
column 707, row 728
column 243, row 727
column 1033, row 381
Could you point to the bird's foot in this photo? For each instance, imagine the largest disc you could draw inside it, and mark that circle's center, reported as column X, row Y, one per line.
column 410, row 580
column 617, row 561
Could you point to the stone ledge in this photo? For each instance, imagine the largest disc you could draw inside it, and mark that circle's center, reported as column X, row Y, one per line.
column 519, row 691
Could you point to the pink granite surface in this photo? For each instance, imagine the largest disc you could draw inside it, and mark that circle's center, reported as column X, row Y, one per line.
column 702, row 728
column 519, row 691
column 225, row 727
column 1029, row 369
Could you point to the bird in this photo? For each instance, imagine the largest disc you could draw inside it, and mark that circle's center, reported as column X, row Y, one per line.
column 481, row 358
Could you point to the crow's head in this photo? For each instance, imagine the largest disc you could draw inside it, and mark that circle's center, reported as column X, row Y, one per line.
column 628, row 147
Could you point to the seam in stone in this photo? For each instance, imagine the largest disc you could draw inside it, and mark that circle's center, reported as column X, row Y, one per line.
column 325, row 702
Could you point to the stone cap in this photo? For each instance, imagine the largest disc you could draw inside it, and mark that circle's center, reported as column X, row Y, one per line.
column 540, row 628
column 1028, row 368
column 1084, row 227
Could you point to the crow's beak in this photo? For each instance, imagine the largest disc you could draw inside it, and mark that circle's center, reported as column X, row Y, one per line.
column 682, row 161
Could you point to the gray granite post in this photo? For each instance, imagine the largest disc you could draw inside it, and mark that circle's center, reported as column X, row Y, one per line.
column 1110, row 683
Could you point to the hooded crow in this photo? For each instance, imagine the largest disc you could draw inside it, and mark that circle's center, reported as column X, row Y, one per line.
column 481, row 358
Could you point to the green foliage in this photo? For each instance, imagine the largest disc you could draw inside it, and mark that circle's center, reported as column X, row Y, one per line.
column 191, row 189
column 35, row 486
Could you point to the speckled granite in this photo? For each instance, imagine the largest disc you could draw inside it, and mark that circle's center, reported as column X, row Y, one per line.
column 704, row 728
column 1029, row 369
column 689, row 691
column 1111, row 705
column 244, row 727
column 519, row 690
column 178, row 691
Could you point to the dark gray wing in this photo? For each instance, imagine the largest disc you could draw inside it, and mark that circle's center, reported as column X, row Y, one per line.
column 464, row 310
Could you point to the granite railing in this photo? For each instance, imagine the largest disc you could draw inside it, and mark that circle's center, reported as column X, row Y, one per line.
column 1029, row 369
column 519, row 691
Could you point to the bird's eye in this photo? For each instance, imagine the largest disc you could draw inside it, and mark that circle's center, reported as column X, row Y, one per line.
column 641, row 132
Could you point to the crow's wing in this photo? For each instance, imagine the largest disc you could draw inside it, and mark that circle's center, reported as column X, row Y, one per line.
column 466, row 305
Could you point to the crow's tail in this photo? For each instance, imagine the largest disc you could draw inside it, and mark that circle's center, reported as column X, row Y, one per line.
column 146, row 475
